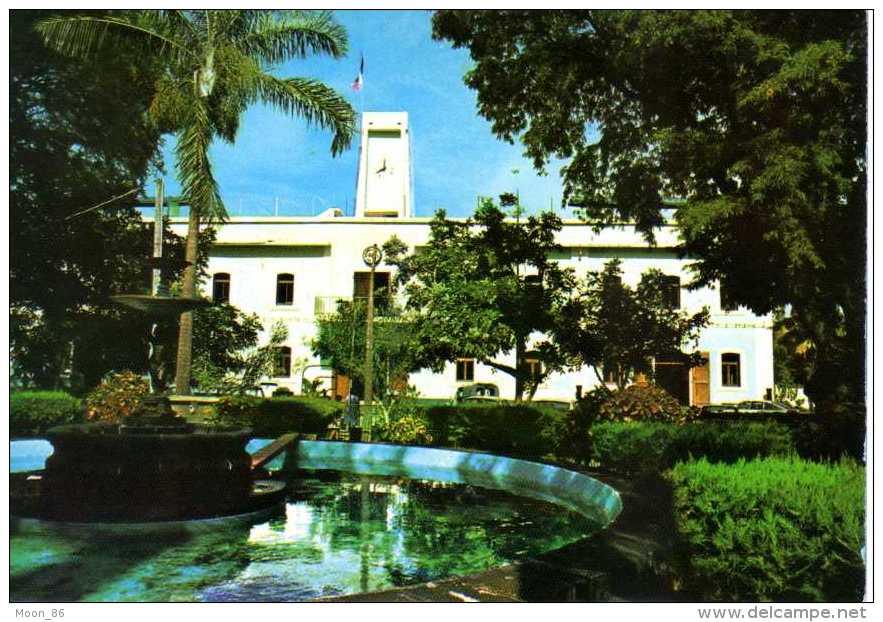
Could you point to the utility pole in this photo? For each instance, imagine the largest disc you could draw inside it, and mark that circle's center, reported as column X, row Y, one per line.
column 157, row 234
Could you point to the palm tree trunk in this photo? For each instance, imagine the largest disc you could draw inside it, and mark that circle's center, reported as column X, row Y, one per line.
column 188, row 290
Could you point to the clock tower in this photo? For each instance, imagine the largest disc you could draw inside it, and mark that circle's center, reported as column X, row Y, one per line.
column 384, row 182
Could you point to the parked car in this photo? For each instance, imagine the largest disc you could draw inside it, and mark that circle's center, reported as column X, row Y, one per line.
column 767, row 407
column 477, row 390
column 750, row 407
column 549, row 403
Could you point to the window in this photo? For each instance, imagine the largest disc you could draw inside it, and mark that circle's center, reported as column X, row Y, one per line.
column 465, row 370
column 285, row 289
column 610, row 373
column 221, row 287
column 282, row 362
column 534, row 369
column 360, row 284
column 730, row 370
column 671, row 292
column 533, row 287
column 728, row 302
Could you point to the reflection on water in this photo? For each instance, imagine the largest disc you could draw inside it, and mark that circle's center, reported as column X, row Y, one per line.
column 338, row 534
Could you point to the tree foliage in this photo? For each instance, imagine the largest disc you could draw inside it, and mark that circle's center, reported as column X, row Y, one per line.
column 216, row 64
column 340, row 340
column 756, row 119
column 485, row 287
column 609, row 325
column 227, row 358
column 78, row 136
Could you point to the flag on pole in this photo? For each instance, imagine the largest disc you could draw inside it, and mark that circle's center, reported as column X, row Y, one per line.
column 357, row 83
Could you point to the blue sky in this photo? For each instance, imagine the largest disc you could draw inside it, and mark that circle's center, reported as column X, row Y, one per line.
column 455, row 155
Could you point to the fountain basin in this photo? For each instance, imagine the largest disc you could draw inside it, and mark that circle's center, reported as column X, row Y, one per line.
column 105, row 472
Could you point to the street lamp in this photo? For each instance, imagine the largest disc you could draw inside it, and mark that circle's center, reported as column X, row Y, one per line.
column 371, row 256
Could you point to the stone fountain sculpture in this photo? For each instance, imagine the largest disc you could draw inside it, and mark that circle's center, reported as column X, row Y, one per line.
column 154, row 465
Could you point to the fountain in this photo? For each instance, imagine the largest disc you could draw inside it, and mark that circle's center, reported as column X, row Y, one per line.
column 152, row 466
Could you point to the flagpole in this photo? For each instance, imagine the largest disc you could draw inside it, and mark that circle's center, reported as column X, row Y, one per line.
column 360, row 113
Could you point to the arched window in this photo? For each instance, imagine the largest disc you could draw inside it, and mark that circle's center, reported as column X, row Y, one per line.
column 282, row 362
column 284, row 289
column 221, row 287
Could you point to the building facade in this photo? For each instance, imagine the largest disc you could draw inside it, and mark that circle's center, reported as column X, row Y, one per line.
column 294, row 270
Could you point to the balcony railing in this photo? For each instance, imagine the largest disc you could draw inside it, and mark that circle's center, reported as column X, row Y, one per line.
column 330, row 305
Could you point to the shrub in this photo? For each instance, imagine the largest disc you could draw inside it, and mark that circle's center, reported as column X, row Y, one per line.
column 276, row 416
column 774, row 529
column 117, row 397
column 282, row 392
column 640, row 402
column 408, row 429
column 651, row 448
column 31, row 413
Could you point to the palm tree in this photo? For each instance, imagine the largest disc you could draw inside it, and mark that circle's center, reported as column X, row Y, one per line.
column 215, row 64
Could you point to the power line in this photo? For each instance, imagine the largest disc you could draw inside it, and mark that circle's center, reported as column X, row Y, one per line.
column 95, row 207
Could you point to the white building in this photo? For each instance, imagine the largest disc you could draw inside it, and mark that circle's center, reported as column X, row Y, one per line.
column 294, row 269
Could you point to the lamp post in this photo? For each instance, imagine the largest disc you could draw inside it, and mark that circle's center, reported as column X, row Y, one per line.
column 371, row 256
column 157, row 235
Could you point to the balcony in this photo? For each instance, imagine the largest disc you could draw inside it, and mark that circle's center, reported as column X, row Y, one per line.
column 329, row 305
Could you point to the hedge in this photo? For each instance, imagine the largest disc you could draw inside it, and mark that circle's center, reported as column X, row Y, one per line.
column 510, row 429
column 773, row 529
column 817, row 436
column 651, row 448
column 31, row 413
column 279, row 415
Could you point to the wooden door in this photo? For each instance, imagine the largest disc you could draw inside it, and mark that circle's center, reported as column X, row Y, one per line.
column 701, row 391
column 340, row 386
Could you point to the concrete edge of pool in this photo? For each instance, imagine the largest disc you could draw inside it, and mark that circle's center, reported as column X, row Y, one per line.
column 575, row 491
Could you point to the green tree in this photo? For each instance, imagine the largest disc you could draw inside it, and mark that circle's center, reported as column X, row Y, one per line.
column 485, row 287
column 608, row 325
column 756, row 119
column 227, row 358
column 77, row 138
column 216, row 64
column 340, row 340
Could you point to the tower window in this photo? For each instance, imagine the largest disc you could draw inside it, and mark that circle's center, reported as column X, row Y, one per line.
column 285, row 289
column 221, row 287
column 465, row 370
column 731, row 372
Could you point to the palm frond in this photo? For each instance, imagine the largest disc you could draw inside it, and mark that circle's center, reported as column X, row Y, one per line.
column 83, row 35
column 194, row 168
column 183, row 24
column 170, row 106
column 294, row 34
column 314, row 102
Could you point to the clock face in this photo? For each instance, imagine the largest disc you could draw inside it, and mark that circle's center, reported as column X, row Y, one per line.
column 385, row 168
column 385, row 188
